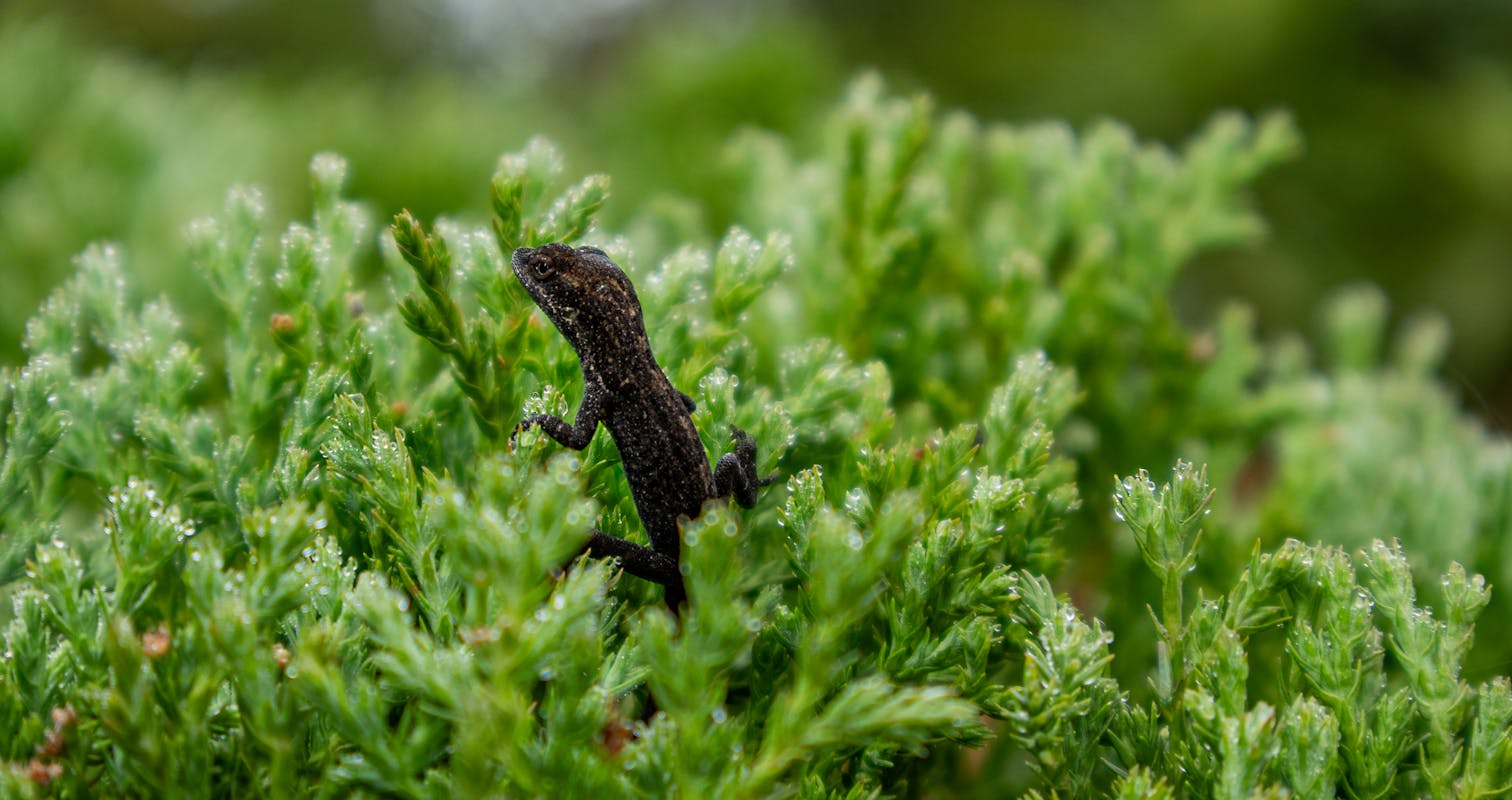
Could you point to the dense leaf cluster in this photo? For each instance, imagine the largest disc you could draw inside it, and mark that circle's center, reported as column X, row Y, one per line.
column 307, row 559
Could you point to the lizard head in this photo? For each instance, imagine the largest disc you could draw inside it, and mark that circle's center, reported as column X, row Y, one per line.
column 587, row 296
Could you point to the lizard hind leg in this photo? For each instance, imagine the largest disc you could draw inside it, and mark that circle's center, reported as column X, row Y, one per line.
column 638, row 560
column 642, row 562
column 735, row 475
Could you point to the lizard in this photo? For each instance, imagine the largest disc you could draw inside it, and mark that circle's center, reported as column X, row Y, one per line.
column 593, row 305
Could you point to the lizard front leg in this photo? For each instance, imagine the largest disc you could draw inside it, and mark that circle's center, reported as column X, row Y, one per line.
column 735, row 476
column 580, row 432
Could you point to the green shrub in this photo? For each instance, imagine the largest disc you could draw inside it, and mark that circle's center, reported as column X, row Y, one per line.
column 306, row 558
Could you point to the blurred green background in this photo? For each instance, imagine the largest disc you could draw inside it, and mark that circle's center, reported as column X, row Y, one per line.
column 124, row 120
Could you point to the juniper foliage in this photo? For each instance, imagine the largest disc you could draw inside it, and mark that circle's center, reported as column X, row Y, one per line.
column 305, row 559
